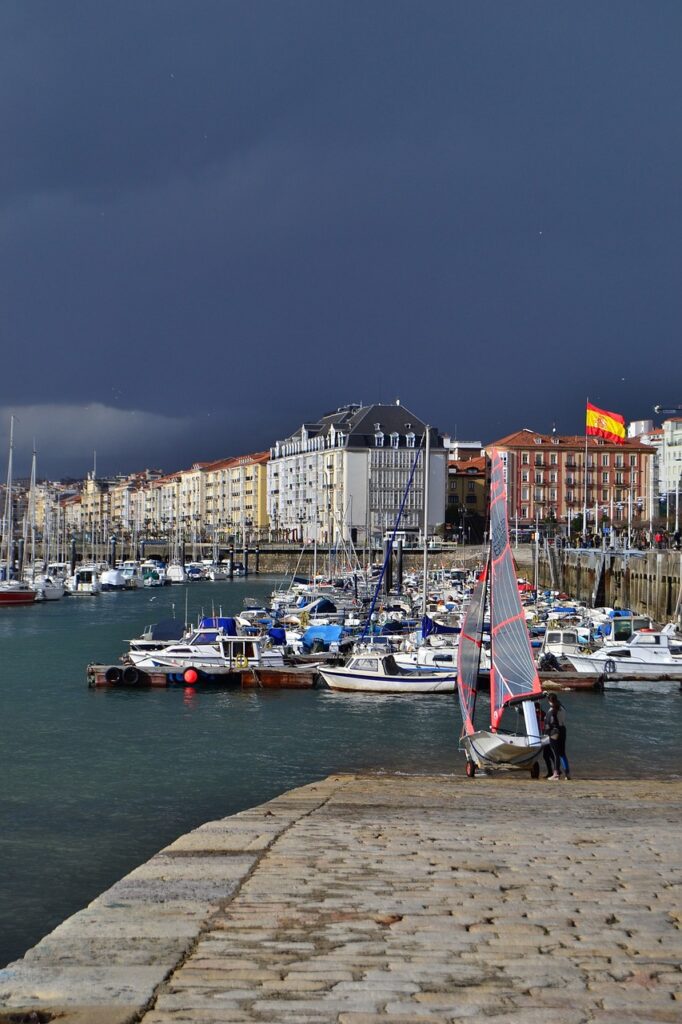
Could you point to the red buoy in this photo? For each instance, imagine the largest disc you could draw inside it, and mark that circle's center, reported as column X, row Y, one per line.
column 191, row 676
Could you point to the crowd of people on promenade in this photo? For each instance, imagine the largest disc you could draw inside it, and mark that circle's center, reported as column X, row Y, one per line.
column 641, row 540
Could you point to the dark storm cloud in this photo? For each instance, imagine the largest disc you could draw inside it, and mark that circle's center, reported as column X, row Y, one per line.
column 241, row 215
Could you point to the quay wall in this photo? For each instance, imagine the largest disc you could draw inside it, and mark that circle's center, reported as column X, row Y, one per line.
column 370, row 899
column 648, row 582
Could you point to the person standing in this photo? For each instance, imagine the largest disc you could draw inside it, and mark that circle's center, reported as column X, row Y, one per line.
column 555, row 727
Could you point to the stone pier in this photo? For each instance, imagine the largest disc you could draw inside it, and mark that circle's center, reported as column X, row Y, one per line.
column 360, row 900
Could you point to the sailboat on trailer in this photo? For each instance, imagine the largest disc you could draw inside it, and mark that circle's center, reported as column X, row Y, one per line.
column 513, row 677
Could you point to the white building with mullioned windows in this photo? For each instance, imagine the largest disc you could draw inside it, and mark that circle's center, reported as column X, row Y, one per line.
column 344, row 477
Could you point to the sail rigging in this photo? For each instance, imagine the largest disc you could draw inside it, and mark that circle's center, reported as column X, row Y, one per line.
column 513, row 674
column 469, row 655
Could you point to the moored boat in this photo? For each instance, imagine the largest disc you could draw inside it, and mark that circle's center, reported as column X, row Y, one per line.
column 371, row 672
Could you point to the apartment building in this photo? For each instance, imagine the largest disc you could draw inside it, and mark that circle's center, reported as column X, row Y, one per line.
column 553, row 478
column 344, row 476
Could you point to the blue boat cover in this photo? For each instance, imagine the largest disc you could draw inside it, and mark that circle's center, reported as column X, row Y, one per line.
column 429, row 626
column 226, row 624
column 277, row 635
column 167, row 629
column 327, row 634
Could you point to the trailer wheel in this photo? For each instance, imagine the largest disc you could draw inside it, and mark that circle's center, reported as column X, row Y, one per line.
column 535, row 770
column 470, row 769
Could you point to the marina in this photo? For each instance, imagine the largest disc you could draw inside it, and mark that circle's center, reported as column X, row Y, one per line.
column 103, row 777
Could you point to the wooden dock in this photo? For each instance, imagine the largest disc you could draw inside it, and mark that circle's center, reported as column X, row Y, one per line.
column 293, row 677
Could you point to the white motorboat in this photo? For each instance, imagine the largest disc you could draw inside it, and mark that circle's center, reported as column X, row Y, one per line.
column 562, row 643
column 48, row 589
column 175, row 573
column 210, row 651
column 647, row 654
column 370, row 672
column 84, row 582
column 441, row 658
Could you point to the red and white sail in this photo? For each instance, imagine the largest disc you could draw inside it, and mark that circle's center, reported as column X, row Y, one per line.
column 513, row 674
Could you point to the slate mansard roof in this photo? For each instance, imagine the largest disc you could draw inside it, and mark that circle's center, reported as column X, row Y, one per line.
column 359, row 425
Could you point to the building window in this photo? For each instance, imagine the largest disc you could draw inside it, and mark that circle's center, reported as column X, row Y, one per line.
column 471, row 486
column 378, row 440
column 604, row 460
column 410, row 440
column 633, row 460
column 471, row 499
column 524, row 476
column 395, row 440
column 538, row 478
column 452, row 499
column 538, row 460
column 553, row 459
column 524, row 512
column 524, row 458
column 605, row 478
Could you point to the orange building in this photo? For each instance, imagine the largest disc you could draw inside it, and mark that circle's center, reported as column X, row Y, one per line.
column 553, row 478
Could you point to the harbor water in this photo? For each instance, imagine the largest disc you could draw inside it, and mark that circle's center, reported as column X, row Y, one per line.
column 95, row 781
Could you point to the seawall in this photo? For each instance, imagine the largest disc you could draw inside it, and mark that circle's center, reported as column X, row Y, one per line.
column 649, row 582
column 359, row 900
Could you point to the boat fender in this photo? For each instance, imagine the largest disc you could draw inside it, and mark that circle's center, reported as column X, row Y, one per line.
column 130, row 676
column 113, row 675
column 609, row 666
column 241, row 662
column 190, row 676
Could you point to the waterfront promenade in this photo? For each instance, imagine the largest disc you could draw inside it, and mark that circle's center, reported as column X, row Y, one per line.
column 361, row 899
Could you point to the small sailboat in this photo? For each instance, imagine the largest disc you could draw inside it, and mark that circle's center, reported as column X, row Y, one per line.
column 12, row 591
column 514, row 679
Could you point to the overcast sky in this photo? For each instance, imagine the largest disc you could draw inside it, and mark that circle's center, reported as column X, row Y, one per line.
column 218, row 219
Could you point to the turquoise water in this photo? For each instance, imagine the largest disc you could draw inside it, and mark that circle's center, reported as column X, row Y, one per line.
column 96, row 781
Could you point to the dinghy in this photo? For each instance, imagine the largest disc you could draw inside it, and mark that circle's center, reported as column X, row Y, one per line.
column 514, row 679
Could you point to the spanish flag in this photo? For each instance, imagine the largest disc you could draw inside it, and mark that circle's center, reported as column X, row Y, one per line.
column 600, row 423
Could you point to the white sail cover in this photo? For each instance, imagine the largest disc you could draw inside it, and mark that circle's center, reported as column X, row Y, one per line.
column 469, row 654
column 513, row 673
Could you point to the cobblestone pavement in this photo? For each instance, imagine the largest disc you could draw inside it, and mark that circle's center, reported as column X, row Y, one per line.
column 359, row 900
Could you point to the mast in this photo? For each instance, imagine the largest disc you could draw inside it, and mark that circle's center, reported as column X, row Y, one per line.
column 427, row 453
column 8, row 523
column 32, row 513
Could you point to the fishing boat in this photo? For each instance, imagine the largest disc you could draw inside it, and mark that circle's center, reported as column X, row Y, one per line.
column 371, row 672
column 514, row 682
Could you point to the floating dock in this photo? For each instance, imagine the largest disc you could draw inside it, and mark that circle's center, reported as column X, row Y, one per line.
column 293, row 677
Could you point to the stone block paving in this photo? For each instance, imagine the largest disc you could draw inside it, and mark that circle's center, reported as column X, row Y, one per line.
column 360, row 900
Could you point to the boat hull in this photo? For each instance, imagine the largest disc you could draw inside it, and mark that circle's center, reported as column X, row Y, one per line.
column 627, row 668
column 501, row 751
column 413, row 682
column 13, row 597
